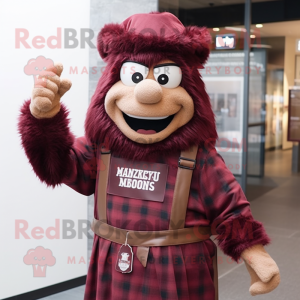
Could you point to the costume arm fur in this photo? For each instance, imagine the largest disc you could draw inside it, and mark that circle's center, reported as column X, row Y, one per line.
column 54, row 153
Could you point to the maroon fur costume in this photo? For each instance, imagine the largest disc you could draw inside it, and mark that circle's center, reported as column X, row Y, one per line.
column 216, row 199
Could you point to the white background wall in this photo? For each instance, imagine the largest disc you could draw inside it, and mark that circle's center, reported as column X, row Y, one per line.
column 22, row 195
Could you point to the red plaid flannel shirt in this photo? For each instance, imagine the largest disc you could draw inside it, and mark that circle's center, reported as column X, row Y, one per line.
column 173, row 272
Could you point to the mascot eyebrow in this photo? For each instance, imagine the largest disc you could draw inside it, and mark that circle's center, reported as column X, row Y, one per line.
column 156, row 66
column 166, row 65
column 136, row 62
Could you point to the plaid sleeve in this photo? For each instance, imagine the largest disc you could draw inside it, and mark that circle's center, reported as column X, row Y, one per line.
column 82, row 172
column 227, row 208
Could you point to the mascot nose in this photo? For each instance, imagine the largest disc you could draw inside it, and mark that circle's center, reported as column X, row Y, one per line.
column 148, row 91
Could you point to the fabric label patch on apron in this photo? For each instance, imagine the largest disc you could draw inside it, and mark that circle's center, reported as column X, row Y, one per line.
column 124, row 259
column 138, row 180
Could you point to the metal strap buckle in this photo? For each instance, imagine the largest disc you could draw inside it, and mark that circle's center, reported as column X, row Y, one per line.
column 104, row 150
column 186, row 167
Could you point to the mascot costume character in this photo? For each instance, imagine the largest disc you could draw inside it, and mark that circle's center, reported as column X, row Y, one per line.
column 161, row 189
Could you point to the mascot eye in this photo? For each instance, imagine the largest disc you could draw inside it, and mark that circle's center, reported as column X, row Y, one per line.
column 163, row 79
column 132, row 73
column 169, row 76
column 137, row 77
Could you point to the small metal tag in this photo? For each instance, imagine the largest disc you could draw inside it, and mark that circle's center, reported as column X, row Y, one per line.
column 124, row 258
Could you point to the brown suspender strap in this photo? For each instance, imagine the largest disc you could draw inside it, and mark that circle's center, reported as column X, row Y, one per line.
column 186, row 165
column 102, row 184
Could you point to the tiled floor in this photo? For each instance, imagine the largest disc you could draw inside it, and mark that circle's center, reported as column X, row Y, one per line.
column 275, row 201
column 73, row 294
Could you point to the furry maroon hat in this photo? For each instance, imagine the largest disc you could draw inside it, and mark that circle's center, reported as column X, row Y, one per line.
column 154, row 32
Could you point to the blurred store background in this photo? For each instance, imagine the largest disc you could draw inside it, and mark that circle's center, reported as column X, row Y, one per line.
column 267, row 90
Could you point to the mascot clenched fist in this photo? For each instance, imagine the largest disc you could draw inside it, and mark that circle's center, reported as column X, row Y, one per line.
column 161, row 189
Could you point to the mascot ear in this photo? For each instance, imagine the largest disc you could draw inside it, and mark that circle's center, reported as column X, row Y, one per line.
column 107, row 37
column 200, row 40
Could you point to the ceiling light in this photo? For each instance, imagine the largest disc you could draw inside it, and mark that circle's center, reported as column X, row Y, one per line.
column 216, row 29
column 252, row 36
column 235, row 29
column 259, row 25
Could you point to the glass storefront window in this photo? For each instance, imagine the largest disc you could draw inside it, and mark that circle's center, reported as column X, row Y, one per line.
column 223, row 76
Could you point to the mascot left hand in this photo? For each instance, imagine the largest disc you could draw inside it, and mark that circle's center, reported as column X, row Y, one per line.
column 263, row 270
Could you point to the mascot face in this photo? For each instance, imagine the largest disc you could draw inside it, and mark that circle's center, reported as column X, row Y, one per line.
column 148, row 103
column 151, row 99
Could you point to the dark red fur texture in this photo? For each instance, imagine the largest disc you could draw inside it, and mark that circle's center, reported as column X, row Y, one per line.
column 47, row 144
column 199, row 130
column 114, row 39
column 239, row 234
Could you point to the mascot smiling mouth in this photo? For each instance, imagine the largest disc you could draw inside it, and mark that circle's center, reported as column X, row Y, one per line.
column 147, row 125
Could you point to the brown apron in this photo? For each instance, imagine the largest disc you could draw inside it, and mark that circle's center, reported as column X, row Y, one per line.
column 177, row 233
